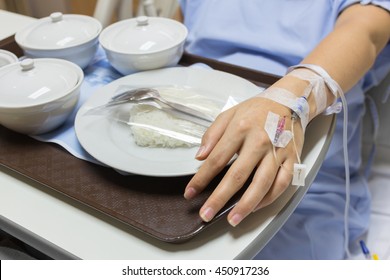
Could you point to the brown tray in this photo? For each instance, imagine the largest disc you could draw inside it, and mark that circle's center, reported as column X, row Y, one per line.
column 152, row 205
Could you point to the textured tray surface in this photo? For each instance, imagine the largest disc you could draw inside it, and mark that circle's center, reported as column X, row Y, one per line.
column 152, row 205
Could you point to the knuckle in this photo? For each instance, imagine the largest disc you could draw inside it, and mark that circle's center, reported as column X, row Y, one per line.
column 216, row 162
column 264, row 181
column 244, row 126
column 238, row 175
column 263, row 138
column 262, row 141
column 283, row 181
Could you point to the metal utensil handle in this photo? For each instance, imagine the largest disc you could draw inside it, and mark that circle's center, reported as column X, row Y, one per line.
column 187, row 110
column 124, row 96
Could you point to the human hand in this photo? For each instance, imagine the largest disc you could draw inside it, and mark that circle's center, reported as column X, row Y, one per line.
column 240, row 130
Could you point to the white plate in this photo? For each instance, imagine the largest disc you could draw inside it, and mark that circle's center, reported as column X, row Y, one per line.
column 112, row 143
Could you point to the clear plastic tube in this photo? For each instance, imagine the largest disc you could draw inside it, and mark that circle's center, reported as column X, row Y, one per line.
column 347, row 174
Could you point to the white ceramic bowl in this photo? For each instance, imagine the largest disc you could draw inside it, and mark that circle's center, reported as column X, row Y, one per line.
column 38, row 95
column 71, row 37
column 7, row 57
column 143, row 43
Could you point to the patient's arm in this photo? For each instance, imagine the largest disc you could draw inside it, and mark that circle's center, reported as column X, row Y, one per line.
column 350, row 50
column 346, row 54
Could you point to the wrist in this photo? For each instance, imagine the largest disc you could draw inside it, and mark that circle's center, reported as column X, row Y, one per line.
column 297, row 106
column 325, row 89
column 297, row 87
column 307, row 90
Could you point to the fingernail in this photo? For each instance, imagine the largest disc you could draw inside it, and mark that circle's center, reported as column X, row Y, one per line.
column 200, row 151
column 235, row 220
column 189, row 193
column 207, row 214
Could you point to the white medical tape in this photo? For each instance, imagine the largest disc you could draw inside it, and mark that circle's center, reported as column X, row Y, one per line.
column 316, row 87
column 286, row 98
column 333, row 86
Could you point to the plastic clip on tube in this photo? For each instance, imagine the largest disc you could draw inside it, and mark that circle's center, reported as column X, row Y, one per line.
column 365, row 250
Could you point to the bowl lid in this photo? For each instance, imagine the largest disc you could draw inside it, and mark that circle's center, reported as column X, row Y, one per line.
column 7, row 57
column 58, row 31
column 143, row 35
column 37, row 81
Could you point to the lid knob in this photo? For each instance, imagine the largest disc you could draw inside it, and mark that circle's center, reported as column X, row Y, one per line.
column 27, row 64
column 55, row 17
column 142, row 21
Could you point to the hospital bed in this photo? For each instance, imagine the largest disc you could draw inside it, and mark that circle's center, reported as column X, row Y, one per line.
column 378, row 236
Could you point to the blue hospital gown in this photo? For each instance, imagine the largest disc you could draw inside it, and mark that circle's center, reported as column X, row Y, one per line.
column 271, row 36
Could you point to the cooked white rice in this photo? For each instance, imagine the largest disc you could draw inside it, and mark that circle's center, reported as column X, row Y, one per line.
column 159, row 125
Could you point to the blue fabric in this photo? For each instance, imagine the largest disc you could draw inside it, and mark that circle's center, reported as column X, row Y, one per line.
column 271, row 36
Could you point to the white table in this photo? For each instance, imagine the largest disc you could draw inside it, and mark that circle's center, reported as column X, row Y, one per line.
column 63, row 228
column 11, row 23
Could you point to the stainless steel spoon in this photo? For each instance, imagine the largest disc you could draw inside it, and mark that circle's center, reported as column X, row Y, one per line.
column 143, row 94
column 140, row 95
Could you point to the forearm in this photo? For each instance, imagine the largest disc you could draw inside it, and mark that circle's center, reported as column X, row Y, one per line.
column 347, row 52
column 350, row 50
